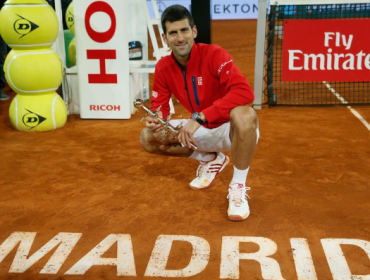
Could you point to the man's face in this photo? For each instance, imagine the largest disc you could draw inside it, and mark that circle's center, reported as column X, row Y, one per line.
column 180, row 37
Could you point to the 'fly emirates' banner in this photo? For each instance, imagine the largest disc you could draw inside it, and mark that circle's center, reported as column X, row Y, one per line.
column 326, row 50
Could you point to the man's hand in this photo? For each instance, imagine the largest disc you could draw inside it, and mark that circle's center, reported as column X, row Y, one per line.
column 153, row 124
column 186, row 134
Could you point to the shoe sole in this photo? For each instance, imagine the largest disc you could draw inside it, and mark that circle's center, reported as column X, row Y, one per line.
column 226, row 162
column 237, row 218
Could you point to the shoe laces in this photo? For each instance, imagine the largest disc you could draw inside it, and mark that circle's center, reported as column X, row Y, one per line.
column 202, row 170
column 239, row 194
column 205, row 168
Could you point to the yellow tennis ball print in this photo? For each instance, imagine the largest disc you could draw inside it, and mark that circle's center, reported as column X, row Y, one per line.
column 70, row 22
column 33, row 71
column 25, row 2
column 72, row 52
column 28, row 25
column 30, row 113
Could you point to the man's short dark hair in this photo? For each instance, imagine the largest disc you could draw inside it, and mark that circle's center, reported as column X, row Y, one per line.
column 175, row 13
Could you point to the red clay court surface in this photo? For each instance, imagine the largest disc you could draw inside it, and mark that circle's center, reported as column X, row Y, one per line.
column 86, row 201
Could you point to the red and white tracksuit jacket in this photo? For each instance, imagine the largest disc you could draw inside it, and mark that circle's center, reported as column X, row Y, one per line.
column 211, row 83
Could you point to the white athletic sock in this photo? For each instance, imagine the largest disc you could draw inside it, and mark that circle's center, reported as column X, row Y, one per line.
column 240, row 176
column 203, row 156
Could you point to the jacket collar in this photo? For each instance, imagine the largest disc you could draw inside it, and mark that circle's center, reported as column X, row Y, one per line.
column 194, row 56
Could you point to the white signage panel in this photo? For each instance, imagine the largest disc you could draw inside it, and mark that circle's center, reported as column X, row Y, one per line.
column 102, row 55
column 220, row 9
column 234, row 9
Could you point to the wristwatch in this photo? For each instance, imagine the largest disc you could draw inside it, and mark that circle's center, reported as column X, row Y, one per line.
column 196, row 117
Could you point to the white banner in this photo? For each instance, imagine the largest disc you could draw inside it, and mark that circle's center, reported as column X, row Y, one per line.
column 102, row 55
column 234, row 9
column 220, row 9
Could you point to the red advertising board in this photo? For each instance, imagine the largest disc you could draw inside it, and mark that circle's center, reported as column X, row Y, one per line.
column 326, row 50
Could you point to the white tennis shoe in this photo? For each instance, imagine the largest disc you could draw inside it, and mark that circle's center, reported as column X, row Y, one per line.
column 238, row 203
column 207, row 172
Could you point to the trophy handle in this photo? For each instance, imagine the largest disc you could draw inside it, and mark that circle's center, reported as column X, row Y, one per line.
column 138, row 103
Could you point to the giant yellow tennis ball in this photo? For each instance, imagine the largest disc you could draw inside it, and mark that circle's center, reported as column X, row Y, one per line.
column 28, row 24
column 40, row 112
column 72, row 52
column 70, row 18
column 33, row 71
column 26, row 2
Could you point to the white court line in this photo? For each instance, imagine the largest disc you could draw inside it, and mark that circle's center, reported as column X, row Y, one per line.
column 353, row 111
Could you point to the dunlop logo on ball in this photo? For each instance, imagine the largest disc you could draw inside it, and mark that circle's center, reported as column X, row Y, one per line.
column 32, row 119
column 70, row 19
column 24, row 26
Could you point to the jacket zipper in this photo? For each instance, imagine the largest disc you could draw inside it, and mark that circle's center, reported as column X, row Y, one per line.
column 195, row 90
column 187, row 90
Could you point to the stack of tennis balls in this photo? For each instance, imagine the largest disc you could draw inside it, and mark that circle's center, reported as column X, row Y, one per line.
column 71, row 27
column 33, row 69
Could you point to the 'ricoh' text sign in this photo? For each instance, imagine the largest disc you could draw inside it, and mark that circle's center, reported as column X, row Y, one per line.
column 326, row 50
column 102, row 55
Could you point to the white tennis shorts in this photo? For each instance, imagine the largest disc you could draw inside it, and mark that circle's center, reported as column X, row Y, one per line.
column 210, row 140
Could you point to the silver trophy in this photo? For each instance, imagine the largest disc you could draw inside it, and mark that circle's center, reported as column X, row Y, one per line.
column 168, row 130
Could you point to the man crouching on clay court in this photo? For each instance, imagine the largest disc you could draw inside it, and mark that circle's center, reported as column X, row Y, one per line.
column 206, row 82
